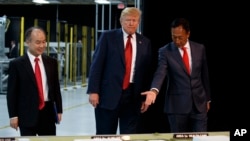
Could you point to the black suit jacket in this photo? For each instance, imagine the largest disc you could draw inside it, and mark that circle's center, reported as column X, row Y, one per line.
column 13, row 52
column 183, row 90
column 22, row 91
column 108, row 68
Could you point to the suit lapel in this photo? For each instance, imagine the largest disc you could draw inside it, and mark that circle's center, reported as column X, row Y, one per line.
column 193, row 51
column 177, row 55
column 120, row 43
column 139, row 48
column 45, row 63
column 47, row 68
column 27, row 64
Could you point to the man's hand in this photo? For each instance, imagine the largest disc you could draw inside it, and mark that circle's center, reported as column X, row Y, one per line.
column 14, row 123
column 150, row 97
column 208, row 106
column 59, row 115
column 94, row 99
column 144, row 107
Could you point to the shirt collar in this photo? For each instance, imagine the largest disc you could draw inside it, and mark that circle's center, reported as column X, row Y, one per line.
column 125, row 35
column 32, row 57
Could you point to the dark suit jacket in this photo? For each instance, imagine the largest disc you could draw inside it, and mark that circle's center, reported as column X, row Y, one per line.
column 183, row 90
column 108, row 68
column 22, row 92
column 14, row 52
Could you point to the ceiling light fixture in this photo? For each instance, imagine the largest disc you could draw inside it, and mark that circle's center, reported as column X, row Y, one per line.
column 40, row 1
column 102, row 1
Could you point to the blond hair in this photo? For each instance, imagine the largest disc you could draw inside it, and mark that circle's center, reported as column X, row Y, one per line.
column 130, row 11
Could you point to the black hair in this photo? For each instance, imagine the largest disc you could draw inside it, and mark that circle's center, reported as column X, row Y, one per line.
column 181, row 22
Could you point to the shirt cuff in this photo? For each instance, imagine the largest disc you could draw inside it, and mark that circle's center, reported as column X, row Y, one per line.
column 155, row 90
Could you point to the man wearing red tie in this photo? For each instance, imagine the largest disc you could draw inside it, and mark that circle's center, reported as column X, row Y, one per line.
column 33, row 94
column 119, row 72
column 183, row 64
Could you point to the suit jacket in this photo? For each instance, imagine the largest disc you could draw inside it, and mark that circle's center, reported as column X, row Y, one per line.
column 108, row 68
column 182, row 90
column 22, row 91
column 14, row 52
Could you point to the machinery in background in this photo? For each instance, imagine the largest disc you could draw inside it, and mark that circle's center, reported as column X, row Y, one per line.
column 4, row 61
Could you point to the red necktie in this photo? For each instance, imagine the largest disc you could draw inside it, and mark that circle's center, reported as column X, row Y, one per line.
column 185, row 59
column 39, row 84
column 128, row 61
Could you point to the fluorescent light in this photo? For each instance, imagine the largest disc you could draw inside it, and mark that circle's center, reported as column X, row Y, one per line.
column 102, row 1
column 53, row 1
column 116, row 1
column 40, row 1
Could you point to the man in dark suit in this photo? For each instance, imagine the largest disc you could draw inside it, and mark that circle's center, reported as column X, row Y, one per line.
column 187, row 98
column 22, row 91
column 114, row 103
column 13, row 50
